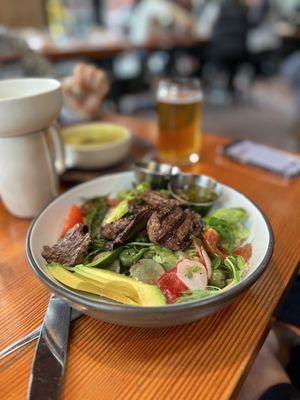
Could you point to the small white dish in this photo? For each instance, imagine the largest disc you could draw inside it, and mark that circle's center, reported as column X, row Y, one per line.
column 28, row 105
column 96, row 156
column 31, row 149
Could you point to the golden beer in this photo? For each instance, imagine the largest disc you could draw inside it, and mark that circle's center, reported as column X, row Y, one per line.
column 179, row 114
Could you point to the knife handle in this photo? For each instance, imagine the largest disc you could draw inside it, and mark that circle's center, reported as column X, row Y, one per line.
column 50, row 357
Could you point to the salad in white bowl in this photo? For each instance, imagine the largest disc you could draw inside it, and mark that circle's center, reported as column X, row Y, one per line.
column 145, row 248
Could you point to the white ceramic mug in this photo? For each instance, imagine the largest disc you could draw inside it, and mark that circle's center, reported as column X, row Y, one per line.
column 31, row 148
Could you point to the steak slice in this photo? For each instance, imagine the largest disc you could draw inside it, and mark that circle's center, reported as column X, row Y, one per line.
column 173, row 227
column 71, row 249
column 113, row 229
column 155, row 199
column 121, row 231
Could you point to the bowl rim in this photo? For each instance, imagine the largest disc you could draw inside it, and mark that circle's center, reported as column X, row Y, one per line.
column 55, row 82
column 196, row 204
column 124, row 309
column 88, row 148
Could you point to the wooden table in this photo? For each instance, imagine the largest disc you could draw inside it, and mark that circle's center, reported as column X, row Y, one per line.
column 101, row 44
column 205, row 360
column 55, row 53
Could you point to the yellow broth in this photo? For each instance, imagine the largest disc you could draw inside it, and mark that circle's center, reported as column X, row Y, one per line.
column 93, row 135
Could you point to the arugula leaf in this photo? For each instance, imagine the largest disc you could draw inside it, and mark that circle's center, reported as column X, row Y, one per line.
column 216, row 262
column 93, row 221
column 96, row 216
column 135, row 191
column 240, row 263
column 230, row 264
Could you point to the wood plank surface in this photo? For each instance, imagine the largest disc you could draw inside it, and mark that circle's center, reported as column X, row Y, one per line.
column 206, row 360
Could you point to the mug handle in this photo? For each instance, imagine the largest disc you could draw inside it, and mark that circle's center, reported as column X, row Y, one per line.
column 59, row 148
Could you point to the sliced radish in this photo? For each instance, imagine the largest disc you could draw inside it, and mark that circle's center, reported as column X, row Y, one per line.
column 204, row 258
column 192, row 273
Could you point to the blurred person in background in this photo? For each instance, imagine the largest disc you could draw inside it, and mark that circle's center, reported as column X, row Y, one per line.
column 161, row 20
column 83, row 91
column 290, row 10
column 290, row 71
column 229, row 49
column 263, row 41
column 116, row 14
column 206, row 13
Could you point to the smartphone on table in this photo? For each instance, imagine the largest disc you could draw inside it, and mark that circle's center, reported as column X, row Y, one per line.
column 262, row 156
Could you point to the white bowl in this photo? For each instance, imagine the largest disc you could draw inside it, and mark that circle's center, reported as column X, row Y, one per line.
column 97, row 156
column 28, row 105
column 47, row 228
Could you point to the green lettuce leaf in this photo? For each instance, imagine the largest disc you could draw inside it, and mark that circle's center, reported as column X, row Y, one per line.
column 229, row 223
column 231, row 215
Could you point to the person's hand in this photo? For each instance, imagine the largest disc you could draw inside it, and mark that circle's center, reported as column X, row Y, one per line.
column 86, row 89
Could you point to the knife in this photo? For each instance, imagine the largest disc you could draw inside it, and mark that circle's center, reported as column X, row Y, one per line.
column 50, row 357
column 30, row 337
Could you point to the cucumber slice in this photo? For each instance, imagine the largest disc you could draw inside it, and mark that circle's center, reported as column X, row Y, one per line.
column 147, row 271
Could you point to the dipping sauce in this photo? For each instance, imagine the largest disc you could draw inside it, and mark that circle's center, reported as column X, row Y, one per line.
column 93, row 135
column 196, row 194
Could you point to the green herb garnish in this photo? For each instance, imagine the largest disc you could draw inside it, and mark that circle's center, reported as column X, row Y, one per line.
column 192, row 270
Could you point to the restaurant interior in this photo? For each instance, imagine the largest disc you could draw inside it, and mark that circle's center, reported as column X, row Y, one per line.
column 200, row 101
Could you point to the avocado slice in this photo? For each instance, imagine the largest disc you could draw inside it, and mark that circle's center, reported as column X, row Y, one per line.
column 108, row 284
column 76, row 281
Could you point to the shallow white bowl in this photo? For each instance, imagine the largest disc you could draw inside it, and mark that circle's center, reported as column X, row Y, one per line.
column 94, row 157
column 28, row 105
column 47, row 228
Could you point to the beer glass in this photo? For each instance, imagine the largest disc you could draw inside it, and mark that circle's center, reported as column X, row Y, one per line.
column 179, row 105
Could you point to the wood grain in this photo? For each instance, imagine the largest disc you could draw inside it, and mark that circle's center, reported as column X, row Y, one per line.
column 205, row 360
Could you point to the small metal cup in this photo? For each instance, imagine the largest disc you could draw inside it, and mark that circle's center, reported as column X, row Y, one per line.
column 157, row 174
column 184, row 180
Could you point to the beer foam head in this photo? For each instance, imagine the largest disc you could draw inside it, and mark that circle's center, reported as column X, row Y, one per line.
column 185, row 96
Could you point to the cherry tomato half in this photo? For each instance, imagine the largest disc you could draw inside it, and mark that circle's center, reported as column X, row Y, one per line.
column 74, row 217
column 171, row 285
